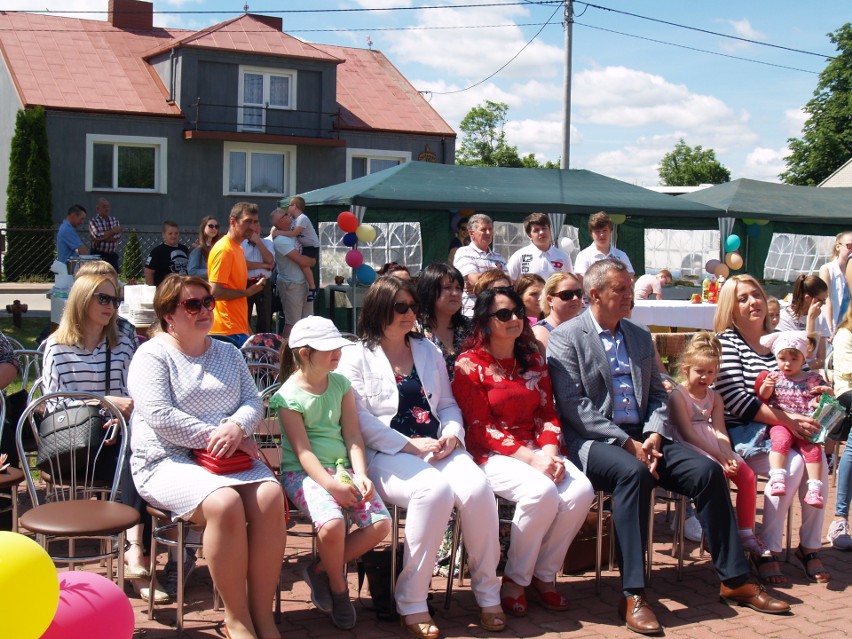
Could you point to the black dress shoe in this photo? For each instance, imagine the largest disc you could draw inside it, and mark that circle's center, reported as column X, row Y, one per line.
column 754, row 596
column 638, row 616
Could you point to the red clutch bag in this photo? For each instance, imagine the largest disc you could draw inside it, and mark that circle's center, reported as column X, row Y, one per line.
column 236, row 463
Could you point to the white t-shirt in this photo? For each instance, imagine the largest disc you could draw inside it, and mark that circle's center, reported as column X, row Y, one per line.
column 532, row 259
column 253, row 254
column 469, row 259
column 646, row 285
column 590, row 255
column 308, row 236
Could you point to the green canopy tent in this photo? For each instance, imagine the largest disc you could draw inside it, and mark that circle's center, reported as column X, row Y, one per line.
column 427, row 192
column 804, row 210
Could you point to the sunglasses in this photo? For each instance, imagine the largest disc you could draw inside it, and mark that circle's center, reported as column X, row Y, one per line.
column 193, row 305
column 212, row 226
column 105, row 300
column 401, row 308
column 570, row 294
column 505, row 314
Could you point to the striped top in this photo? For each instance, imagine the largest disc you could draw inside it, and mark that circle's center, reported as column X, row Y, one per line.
column 72, row 368
column 737, row 375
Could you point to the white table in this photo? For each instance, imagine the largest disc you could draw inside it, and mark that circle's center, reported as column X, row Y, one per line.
column 675, row 313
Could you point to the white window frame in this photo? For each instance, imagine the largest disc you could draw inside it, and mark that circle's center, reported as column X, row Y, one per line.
column 161, row 152
column 684, row 252
column 373, row 154
column 264, row 105
column 248, row 147
column 794, row 254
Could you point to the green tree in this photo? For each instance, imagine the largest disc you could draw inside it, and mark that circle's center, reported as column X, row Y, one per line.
column 28, row 198
column 691, row 166
column 484, row 142
column 826, row 143
column 131, row 261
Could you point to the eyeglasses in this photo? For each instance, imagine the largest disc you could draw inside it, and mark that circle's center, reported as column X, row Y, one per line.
column 105, row 300
column 212, row 226
column 505, row 314
column 570, row 294
column 401, row 308
column 193, row 305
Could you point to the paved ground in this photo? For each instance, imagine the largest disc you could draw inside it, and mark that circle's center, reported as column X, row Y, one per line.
column 689, row 608
column 34, row 295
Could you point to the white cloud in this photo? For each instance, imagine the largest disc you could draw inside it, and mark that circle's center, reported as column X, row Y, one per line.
column 743, row 29
column 765, row 164
column 542, row 137
column 794, row 120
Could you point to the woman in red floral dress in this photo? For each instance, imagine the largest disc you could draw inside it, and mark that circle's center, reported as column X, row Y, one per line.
column 503, row 388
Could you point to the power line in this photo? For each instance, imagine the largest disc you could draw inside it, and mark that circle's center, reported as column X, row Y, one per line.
column 683, row 46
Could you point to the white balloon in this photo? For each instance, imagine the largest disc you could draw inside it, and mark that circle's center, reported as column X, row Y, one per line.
column 566, row 243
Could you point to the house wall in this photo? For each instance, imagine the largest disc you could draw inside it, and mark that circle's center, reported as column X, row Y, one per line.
column 9, row 106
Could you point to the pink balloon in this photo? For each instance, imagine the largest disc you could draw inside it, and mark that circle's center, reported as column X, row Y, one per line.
column 354, row 258
column 347, row 222
column 90, row 606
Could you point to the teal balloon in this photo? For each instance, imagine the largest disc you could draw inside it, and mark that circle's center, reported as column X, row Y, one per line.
column 365, row 274
column 732, row 243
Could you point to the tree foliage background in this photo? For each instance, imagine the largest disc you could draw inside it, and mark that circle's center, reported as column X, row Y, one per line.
column 691, row 166
column 29, row 202
column 484, row 140
column 826, row 142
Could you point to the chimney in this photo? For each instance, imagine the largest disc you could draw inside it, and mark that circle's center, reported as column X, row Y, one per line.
column 276, row 23
column 131, row 15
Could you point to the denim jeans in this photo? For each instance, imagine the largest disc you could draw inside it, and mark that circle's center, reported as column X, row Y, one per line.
column 844, row 469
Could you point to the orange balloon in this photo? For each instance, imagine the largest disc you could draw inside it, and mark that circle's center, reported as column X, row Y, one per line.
column 721, row 271
column 734, row 260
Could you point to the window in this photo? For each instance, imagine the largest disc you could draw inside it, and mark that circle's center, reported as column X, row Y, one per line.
column 395, row 242
column 361, row 162
column 126, row 163
column 510, row 237
column 259, row 169
column 790, row 255
column 683, row 252
column 262, row 89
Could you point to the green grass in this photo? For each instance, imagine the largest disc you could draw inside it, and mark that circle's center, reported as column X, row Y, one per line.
column 30, row 329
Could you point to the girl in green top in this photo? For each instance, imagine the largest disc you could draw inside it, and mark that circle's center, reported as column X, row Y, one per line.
column 319, row 419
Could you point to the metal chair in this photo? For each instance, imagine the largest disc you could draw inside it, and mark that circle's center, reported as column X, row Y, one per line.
column 31, row 361
column 76, row 503
column 10, row 478
column 264, row 375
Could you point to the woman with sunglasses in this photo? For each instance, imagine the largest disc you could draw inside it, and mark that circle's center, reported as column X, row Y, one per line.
column 416, row 457
column 75, row 359
column 504, row 390
column 561, row 299
column 208, row 235
column 193, row 392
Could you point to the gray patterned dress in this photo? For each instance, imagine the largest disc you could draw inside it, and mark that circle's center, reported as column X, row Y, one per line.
column 178, row 401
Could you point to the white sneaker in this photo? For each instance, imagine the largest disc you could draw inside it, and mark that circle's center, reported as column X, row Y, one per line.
column 691, row 529
column 838, row 535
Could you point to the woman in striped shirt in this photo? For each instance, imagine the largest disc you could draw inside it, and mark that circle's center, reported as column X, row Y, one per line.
column 741, row 319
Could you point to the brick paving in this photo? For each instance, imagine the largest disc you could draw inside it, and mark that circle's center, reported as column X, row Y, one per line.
column 689, row 608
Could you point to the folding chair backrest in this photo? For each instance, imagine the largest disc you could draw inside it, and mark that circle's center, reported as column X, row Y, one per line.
column 268, row 435
column 31, row 361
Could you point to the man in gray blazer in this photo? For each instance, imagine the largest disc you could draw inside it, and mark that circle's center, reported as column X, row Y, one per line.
column 614, row 414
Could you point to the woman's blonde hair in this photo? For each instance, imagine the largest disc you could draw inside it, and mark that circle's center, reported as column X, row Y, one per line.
column 96, row 267
column 70, row 331
column 703, row 345
column 724, row 318
column 550, row 287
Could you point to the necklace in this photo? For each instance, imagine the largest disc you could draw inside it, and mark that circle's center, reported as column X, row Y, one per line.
column 510, row 375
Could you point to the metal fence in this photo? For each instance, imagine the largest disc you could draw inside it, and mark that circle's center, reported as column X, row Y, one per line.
column 30, row 252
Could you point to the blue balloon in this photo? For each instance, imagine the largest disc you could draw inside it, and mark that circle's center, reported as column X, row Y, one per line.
column 350, row 239
column 732, row 243
column 752, row 230
column 365, row 274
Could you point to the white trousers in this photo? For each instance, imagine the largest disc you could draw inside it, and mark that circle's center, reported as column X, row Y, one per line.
column 428, row 492
column 775, row 508
column 547, row 515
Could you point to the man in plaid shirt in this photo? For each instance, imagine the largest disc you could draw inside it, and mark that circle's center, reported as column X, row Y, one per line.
column 106, row 233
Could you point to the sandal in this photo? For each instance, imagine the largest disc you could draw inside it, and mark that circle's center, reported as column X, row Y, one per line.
column 420, row 629
column 515, row 606
column 771, row 577
column 818, row 576
column 551, row 599
column 492, row 621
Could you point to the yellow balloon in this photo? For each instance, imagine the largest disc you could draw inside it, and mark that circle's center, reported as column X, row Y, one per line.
column 366, row 232
column 29, row 587
column 721, row 271
column 734, row 260
column 618, row 218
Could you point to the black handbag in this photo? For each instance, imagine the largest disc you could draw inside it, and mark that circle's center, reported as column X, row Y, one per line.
column 375, row 565
column 72, row 438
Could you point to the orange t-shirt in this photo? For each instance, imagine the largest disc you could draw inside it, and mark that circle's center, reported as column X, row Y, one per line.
column 226, row 265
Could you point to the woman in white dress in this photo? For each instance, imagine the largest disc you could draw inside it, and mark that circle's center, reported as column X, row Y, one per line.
column 192, row 392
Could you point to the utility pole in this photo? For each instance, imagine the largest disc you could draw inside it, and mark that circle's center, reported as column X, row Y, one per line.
column 566, row 113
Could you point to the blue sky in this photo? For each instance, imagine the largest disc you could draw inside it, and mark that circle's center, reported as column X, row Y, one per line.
column 632, row 98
